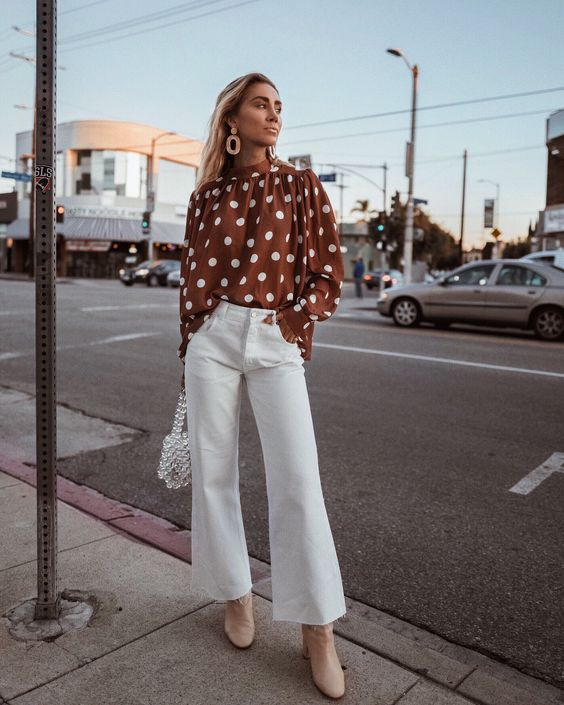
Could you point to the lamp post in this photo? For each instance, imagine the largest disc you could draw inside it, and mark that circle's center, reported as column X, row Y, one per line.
column 410, row 163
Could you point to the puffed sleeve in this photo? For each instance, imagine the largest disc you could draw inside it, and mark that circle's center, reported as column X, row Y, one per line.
column 185, row 257
column 325, row 269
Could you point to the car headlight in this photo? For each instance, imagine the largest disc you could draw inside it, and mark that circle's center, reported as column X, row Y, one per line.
column 142, row 271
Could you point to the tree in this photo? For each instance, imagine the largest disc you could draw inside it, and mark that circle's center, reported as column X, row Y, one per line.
column 363, row 207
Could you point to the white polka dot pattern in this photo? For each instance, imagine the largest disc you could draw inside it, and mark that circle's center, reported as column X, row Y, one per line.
column 284, row 254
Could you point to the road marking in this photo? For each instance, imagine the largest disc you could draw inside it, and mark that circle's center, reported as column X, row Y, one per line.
column 445, row 360
column 554, row 464
column 119, row 308
column 102, row 341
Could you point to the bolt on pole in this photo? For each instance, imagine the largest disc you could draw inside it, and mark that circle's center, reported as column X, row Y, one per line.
column 47, row 605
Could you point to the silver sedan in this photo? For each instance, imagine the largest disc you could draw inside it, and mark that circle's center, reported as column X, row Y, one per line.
column 496, row 292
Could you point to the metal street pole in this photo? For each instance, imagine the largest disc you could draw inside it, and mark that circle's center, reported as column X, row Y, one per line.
column 408, row 242
column 151, row 172
column 410, row 168
column 47, row 605
column 463, row 205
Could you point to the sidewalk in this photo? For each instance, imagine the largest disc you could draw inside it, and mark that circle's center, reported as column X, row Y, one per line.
column 151, row 641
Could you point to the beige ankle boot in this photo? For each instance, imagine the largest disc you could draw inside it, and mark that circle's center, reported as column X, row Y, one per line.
column 239, row 621
column 319, row 646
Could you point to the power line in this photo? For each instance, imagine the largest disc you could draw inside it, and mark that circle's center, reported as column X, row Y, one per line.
column 162, row 26
column 430, row 107
column 420, row 127
column 142, row 19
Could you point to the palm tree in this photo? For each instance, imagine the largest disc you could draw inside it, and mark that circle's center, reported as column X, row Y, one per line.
column 363, row 208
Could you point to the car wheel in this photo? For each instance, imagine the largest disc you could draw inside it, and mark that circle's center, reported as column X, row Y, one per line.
column 406, row 313
column 152, row 280
column 548, row 323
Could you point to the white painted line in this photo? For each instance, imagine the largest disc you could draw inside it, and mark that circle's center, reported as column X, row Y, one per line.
column 445, row 360
column 119, row 308
column 11, row 355
column 102, row 341
column 554, row 464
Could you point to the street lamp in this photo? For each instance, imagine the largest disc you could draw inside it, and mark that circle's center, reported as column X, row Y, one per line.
column 410, row 163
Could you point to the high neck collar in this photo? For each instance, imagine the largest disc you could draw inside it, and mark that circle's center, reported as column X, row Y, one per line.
column 261, row 167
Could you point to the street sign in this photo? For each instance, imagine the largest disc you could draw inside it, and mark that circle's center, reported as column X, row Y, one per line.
column 417, row 201
column 328, row 177
column 496, row 233
column 16, row 175
column 489, row 212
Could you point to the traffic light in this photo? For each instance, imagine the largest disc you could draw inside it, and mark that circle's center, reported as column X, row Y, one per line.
column 396, row 205
column 146, row 223
column 377, row 226
column 60, row 214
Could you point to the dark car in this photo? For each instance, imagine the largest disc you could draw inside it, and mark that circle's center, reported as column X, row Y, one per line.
column 390, row 277
column 152, row 273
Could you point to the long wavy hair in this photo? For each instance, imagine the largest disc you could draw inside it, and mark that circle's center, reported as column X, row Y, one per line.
column 215, row 159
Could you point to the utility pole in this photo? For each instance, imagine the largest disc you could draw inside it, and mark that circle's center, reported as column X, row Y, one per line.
column 463, row 204
column 48, row 604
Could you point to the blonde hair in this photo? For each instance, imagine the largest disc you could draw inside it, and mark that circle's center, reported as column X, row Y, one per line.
column 215, row 159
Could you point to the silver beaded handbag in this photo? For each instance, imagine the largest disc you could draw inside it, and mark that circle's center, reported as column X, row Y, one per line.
column 175, row 466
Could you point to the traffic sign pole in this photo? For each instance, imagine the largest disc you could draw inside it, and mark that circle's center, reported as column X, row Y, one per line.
column 44, row 254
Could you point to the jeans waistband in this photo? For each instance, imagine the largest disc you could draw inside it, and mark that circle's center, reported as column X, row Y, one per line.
column 226, row 309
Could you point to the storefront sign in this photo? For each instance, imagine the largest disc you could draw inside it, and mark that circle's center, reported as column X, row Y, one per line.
column 104, row 212
column 87, row 245
column 553, row 220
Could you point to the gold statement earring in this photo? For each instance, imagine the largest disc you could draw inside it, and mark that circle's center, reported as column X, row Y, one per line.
column 233, row 137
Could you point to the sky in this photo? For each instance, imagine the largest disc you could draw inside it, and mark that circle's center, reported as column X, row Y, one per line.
column 329, row 62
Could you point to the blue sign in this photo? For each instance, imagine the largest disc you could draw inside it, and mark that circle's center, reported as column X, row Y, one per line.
column 417, row 201
column 16, row 175
column 328, row 177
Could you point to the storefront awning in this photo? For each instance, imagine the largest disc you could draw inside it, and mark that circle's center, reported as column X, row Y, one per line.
column 105, row 229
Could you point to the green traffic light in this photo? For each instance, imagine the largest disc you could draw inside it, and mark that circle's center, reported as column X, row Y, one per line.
column 380, row 228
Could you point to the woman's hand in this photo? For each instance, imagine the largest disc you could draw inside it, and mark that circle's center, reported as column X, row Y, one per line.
column 287, row 333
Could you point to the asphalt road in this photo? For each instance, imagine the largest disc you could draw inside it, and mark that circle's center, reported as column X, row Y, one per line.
column 417, row 453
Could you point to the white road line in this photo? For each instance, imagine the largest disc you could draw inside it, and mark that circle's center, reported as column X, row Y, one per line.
column 119, row 308
column 554, row 464
column 445, row 360
column 102, row 341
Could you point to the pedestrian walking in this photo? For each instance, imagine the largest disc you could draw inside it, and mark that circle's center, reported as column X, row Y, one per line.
column 261, row 264
column 358, row 273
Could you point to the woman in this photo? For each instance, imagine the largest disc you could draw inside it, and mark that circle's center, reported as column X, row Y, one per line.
column 261, row 263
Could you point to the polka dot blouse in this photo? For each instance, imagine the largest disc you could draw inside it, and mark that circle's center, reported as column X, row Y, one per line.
column 262, row 236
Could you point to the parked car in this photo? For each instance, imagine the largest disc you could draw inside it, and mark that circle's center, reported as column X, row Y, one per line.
column 553, row 257
column 497, row 292
column 390, row 277
column 173, row 277
column 152, row 273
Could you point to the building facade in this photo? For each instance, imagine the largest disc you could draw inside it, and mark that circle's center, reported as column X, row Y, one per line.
column 102, row 173
column 550, row 232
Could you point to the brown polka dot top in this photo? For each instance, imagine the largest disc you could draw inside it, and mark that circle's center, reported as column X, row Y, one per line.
column 261, row 236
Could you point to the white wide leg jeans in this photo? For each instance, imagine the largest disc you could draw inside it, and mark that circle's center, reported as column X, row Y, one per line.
column 232, row 346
